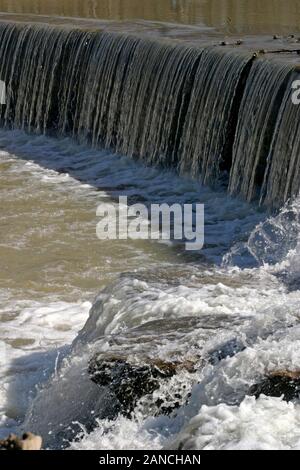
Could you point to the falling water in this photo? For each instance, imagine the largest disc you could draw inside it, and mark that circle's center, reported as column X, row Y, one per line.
column 210, row 118
column 146, row 99
column 207, row 112
column 260, row 113
column 282, row 178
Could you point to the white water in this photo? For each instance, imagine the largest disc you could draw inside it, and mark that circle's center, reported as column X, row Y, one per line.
column 180, row 307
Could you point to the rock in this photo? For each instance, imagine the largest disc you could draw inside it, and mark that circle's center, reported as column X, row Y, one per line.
column 28, row 442
column 279, row 383
column 275, row 37
column 239, row 42
column 130, row 382
column 224, row 43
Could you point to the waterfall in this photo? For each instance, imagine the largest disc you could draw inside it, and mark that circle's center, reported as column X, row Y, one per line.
column 216, row 114
column 282, row 179
column 259, row 115
column 207, row 135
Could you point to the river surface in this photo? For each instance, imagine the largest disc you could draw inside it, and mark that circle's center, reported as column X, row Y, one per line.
column 228, row 16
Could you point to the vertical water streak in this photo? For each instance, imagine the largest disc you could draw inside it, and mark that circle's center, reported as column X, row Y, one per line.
column 206, row 112
column 282, row 178
column 259, row 112
column 209, row 117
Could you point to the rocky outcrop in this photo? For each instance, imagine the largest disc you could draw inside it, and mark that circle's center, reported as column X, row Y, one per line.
column 129, row 382
column 28, row 442
column 282, row 383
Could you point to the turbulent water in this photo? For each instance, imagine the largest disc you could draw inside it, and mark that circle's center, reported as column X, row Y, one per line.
column 91, row 116
column 178, row 307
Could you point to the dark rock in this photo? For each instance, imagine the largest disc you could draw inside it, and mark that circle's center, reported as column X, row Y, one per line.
column 130, row 382
column 224, row 43
column 277, row 384
column 239, row 42
column 165, row 406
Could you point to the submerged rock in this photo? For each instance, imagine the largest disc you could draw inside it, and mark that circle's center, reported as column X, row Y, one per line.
column 28, row 442
column 283, row 383
column 130, row 382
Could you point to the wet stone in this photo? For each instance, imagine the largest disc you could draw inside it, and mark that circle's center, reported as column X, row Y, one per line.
column 130, row 382
column 285, row 384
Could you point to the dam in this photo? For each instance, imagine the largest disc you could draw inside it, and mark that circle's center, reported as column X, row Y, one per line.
column 133, row 343
column 157, row 101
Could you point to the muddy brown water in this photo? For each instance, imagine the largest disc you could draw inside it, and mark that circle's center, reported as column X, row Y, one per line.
column 228, row 16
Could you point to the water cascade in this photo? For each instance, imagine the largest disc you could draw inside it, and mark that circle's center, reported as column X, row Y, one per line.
column 210, row 112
